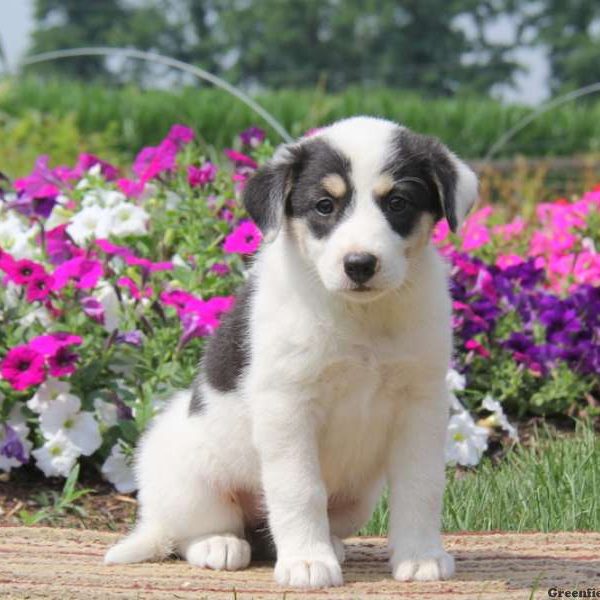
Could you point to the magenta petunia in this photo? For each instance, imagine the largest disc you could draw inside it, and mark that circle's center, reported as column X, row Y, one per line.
column 220, row 269
column 62, row 362
column 86, row 161
column 240, row 159
column 113, row 249
column 6, row 260
column 135, row 291
column 23, row 367
column 181, row 134
column 253, row 136
column 178, row 299
column 245, row 239
column 39, row 287
column 85, row 272
column 148, row 265
column 131, row 188
column 23, row 271
column 59, row 246
column 199, row 176
column 49, row 344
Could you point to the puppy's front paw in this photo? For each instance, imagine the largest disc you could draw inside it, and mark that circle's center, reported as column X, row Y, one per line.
column 219, row 552
column 308, row 572
column 429, row 567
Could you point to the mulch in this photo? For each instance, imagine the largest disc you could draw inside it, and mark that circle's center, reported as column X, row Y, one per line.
column 43, row 562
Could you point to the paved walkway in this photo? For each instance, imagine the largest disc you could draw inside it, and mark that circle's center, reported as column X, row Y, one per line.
column 66, row 563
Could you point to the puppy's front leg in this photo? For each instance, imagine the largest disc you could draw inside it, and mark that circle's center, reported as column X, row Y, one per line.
column 416, row 478
column 296, row 498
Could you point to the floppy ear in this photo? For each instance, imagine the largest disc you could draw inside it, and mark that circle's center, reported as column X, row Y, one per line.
column 457, row 186
column 267, row 190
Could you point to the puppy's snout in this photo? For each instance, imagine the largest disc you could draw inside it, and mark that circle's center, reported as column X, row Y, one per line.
column 360, row 266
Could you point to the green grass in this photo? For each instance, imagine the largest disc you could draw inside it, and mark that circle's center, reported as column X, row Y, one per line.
column 551, row 485
column 140, row 117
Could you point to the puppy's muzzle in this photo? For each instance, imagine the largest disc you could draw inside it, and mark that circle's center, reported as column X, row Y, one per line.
column 360, row 266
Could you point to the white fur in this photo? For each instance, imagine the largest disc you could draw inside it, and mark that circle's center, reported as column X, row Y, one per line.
column 340, row 397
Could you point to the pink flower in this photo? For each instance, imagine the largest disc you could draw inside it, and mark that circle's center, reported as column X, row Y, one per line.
column 240, row 159
column 43, row 182
column 245, row 239
column 113, row 249
column 440, row 232
column 478, row 348
column 85, row 272
column 475, row 236
column 481, row 216
column 86, row 161
column 178, row 299
column 62, row 363
column 200, row 318
column 510, row 230
column 23, row 367
column 504, row 261
column 51, row 343
column 198, row 176
column 180, row 134
column 148, row 265
column 23, row 271
column 131, row 188
column 155, row 160
column 6, row 260
column 133, row 288
column 39, row 287
column 220, row 269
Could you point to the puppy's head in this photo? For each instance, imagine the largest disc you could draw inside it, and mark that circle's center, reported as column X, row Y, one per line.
column 360, row 199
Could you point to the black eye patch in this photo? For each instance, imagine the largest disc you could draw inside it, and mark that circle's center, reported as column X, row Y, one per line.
column 404, row 204
column 309, row 199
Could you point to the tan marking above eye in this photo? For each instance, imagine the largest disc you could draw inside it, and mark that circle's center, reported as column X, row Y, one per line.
column 334, row 184
column 383, row 185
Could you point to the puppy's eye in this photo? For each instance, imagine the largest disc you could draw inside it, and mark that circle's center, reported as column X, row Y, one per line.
column 325, row 206
column 398, row 204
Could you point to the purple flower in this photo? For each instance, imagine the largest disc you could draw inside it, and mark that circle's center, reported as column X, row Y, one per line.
column 133, row 338
column 87, row 161
column 93, row 308
column 220, row 269
column 253, row 136
column 199, row 176
column 12, row 447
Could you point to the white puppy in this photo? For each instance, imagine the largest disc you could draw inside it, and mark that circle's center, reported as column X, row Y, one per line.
column 327, row 380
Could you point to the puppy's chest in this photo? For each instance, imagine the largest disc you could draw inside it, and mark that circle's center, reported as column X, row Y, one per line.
column 359, row 397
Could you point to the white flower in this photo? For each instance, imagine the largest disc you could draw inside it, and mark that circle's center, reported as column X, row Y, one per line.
column 128, row 219
column 95, row 170
column 465, row 441
column 455, row 404
column 455, row 381
column 106, row 294
column 106, row 412
column 118, row 470
column 16, row 237
column 57, row 456
column 80, row 428
column 112, row 198
column 178, row 261
column 16, row 421
column 49, row 391
column 91, row 222
column 498, row 418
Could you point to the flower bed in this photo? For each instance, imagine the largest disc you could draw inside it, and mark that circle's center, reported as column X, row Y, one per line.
column 110, row 285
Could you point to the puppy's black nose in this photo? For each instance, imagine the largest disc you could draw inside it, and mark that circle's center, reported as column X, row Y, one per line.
column 360, row 266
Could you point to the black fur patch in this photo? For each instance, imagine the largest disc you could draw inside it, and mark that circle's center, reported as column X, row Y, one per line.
column 227, row 353
column 261, row 542
column 314, row 160
column 418, row 165
column 197, row 400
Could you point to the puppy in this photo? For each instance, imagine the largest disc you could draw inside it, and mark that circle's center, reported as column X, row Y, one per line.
column 327, row 380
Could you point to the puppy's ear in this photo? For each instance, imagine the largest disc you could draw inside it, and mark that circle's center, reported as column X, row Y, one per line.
column 457, row 187
column 267, row 190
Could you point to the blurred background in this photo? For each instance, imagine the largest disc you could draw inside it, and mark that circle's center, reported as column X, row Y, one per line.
column 463, row 70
